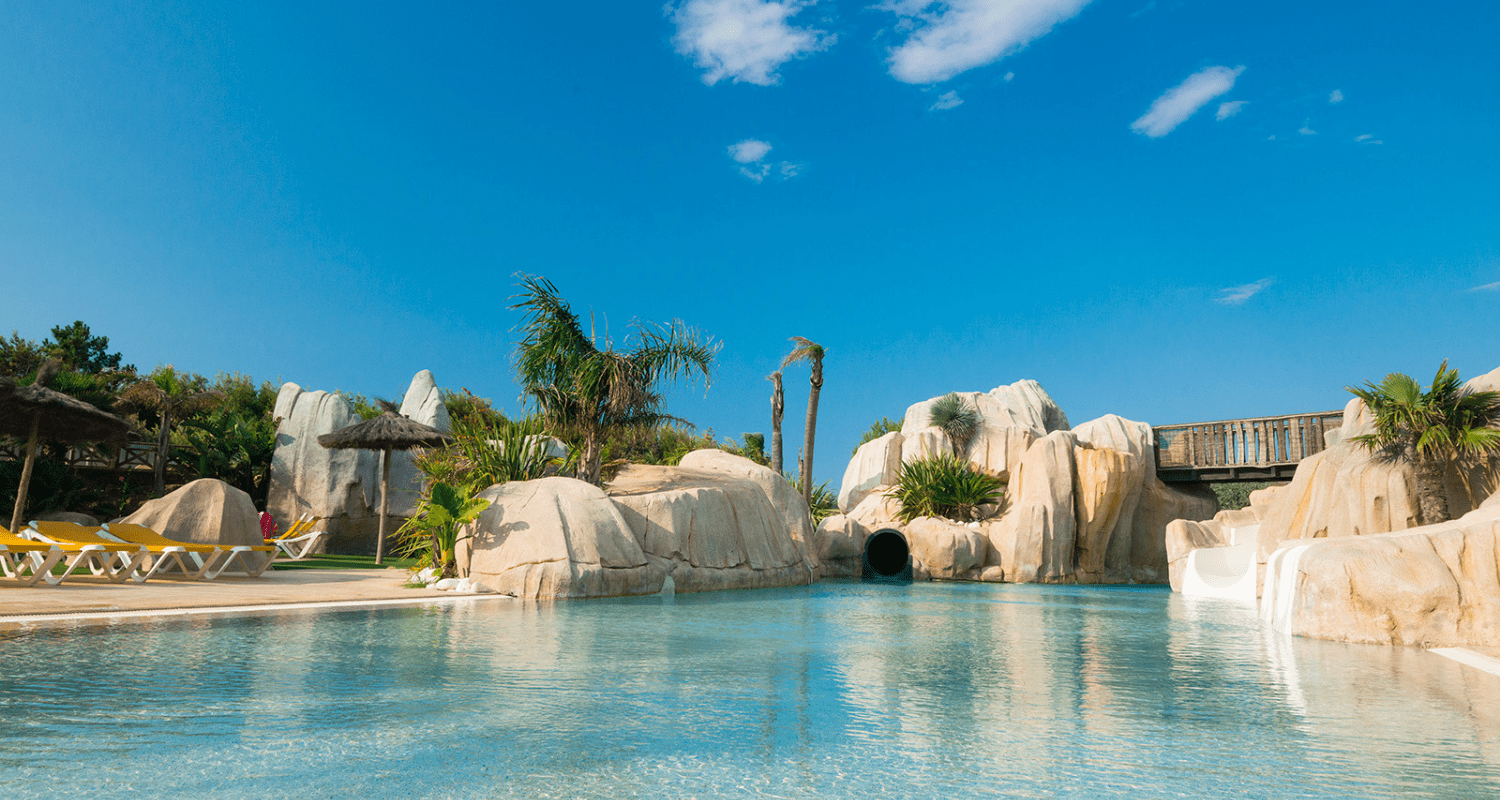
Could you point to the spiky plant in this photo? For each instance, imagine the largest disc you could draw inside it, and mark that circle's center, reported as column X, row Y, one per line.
column 956, row 418
column 944, row 486
column 1431, row 429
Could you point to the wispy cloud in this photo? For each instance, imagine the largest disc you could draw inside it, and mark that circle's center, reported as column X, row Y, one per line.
column 1336, row 96
column 1486, row 287
column 951, row 37
column 743, row 40
column 1237, row 295
column 1008, row 77
column 947, row 100
column 1229, row 109
column 1147, row 8
column 1183, row 100
column 1367, row 138
column 750, row 155
column 1306, row 129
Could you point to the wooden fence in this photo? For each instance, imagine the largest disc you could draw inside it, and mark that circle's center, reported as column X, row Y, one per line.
column 132, row 457
column 1242, row 448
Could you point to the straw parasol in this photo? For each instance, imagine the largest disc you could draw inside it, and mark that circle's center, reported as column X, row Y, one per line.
column 387, row 432
column 35, row 413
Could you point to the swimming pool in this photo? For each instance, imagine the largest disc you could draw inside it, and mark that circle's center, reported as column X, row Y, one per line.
column 838, row 689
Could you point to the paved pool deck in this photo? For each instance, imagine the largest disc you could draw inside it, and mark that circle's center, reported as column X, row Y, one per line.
column 88, row 597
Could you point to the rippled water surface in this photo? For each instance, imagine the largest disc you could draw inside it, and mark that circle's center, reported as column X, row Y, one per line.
column 837, row 690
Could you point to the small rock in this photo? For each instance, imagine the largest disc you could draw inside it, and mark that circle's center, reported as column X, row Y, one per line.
column 479, row 588
column 464, row 585
column 446, row 584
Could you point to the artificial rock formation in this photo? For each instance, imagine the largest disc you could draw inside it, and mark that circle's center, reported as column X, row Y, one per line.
column 796, row 519
column 341, row 487
column 1082, row 505
column 206, row 511
column 423, row 402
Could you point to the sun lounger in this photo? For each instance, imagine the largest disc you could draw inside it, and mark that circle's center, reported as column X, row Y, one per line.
column 137, row 562
column 210, row 560
column 299, row 539
column 26, row 562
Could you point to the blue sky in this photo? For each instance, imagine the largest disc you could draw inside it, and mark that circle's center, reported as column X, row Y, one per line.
column 1174, row 211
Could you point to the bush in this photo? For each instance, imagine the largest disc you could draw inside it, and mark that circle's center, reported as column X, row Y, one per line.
column 880, row 428
column 955, row 418
column 1234, row 496
column 944, row 486
column 825, row 501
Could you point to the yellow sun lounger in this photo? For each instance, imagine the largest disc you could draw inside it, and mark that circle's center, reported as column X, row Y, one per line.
column 26, row 562
column 210, row 560
column 299, row 539
column 137, row 562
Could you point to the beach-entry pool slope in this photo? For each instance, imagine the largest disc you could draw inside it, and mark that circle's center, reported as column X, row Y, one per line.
column 835, row 690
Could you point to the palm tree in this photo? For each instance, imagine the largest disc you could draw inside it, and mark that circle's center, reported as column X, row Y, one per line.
column 584, row 387
column 1432, row 430
column 173, row 397
column 811, row 352
column 778, row 406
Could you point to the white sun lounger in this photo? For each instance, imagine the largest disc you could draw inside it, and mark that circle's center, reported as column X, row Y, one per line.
column 26, row 562
column 299, row 539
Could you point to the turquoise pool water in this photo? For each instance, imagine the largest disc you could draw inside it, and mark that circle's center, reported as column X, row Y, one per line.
column 837, row 690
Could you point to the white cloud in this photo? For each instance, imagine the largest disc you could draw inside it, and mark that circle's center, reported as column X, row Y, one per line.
column 1229, row 109
column 789, row 170
column 1486, row 287
column 749, row 150
column 1237, row 295
column 950, row 37
column 1008, row 77
column 1306, row 129
column 1336, row 96
column 743, row 40
column 1367, row 138
column 947, row 100
column 1271, row 138
column 1183, row 100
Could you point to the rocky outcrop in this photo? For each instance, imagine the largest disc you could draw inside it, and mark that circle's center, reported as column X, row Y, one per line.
column 556, row 538
column 423, row 402
column 874, row 465
column 840, row 543
column 1040, row 545
column 1432, row 586
column 206, row 511
column 944, row 549
column 795, row 516
column 342, row 487
column 708, row 529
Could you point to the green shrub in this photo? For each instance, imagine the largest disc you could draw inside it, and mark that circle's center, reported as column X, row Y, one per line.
column 825, row 501
column 944, row 486
column 880, row 428
column 1234, row 496
column 956, row 419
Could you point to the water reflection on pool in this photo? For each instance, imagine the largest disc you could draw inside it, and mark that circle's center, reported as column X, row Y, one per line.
column 833, row 690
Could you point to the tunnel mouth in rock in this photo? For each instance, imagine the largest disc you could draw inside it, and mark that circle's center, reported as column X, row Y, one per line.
column 887, row 558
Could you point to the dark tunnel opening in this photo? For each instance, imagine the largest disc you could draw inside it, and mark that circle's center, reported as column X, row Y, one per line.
column 887, row 558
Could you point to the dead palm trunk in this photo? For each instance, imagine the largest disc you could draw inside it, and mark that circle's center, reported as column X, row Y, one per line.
column 778, row 407
column 812, row 427
column 385, row 503
column 163, row 452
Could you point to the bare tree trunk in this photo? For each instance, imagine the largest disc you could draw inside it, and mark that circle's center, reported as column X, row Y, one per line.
column 385, row 485
column 778, row 406
column 1432, row 496
column 593, row 454
column 812, row 428
column 163, row 451
column 15, row 517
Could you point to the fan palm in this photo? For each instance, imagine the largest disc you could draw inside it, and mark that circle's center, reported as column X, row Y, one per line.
column 812, row 353
column 584, row 387
column 1431, row 429
column 174, row 397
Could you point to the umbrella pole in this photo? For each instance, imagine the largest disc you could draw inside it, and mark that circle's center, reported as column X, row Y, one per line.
column 15, row 517
column 385, row 485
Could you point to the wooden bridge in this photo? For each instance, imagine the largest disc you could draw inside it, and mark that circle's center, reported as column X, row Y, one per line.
column 1239, row 450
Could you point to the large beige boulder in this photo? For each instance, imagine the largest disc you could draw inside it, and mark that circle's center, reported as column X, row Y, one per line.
column 1106, row 489
column 1023, row 404
column 423, row 402
column 998, row 449
column 1432, row 586
column 874, row 464
column 206, row 511
column 556, row 538
column 342, row 487
column 1183, row 537
column 839, row 544
column 926, row 442
column 944, row 549
column 878, row 510
column 1041, row 546
column 1160, row 505
column 796, row 517
column 711, row 529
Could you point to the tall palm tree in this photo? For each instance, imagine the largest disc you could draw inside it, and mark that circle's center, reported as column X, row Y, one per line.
column 778, row 406
column 586, row 388
column 173, row 397
column 1432, row 430
column 811, row 352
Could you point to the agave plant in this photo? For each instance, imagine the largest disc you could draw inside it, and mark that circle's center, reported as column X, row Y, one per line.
column 944, row 486
column 433, row 532
column 956, row 418
column 824, row 502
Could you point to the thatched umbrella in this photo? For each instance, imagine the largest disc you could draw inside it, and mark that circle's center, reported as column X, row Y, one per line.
column 387, row 432
column 35, row 413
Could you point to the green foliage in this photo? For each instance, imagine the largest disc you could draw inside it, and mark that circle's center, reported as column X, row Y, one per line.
column 1442, row 422
column 80, row 350
column 364, row 407
column 944, row 486
column 464, row 406
column 487, row 450
column 880, row 428
column 434, row 530
column 19, row 356
column 54, row 487
column 234, row 441
column 824, row 502
column 1234, row 496
column 751, row 446
column 956, row 418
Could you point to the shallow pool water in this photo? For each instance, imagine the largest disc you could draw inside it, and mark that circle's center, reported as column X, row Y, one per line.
column 835, row 690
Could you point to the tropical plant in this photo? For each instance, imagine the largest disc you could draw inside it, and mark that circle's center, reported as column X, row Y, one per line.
column 80, row 350
column 956, row 418
column 824, row 503
column 235, row 439
column 944, row 486
column 464, row 405
column 433, row 532
column 878, row 429
column 1234, row 496
column 778, row 407
column 811, row 352
column 173, row 397
column 584, row 387
column 1433, row 429
column 487, row 450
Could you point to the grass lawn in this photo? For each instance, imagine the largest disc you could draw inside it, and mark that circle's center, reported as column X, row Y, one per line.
column 345, row 562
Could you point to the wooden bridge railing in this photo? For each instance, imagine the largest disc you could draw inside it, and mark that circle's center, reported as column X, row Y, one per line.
column 135, row 456
column 1261, row 448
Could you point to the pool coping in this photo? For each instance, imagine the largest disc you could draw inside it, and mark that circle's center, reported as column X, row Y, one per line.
column 1469, row 658
column 239, row 610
